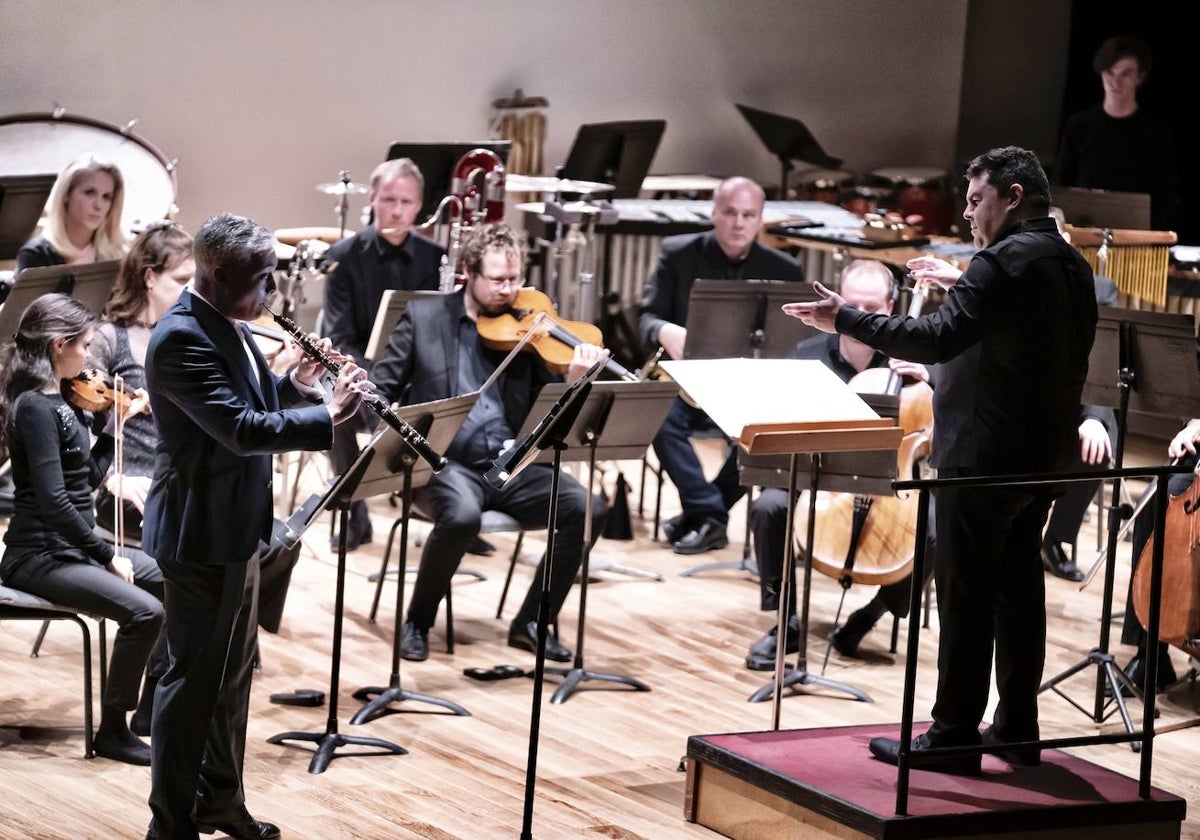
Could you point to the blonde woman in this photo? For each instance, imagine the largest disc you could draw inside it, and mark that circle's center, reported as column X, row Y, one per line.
column 83, row 222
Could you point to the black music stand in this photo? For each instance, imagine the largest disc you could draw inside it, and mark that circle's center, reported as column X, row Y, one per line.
column 1148, row 350
column 89, row 283
column 617, row 153
column 733, row 319
column 338, row 498
column 618, row 421
column 22, row 200
column 788, row 139
column 438, row 422
column 550, row 433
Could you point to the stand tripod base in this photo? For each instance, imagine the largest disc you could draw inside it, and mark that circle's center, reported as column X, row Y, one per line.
column 384, row 697
column 1114, row 679
column 606, row 566
column 576, row 677
column 328, row 742
column 746, row 565
column 799, row 676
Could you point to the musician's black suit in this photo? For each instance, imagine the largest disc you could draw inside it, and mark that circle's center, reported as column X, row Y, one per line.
column 1014, row 334
column 429, row 345
column 208, row 510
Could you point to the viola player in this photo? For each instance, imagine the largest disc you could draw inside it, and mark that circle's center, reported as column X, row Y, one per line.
column 434, row 353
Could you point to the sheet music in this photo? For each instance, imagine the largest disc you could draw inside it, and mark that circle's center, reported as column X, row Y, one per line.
column 740, row 392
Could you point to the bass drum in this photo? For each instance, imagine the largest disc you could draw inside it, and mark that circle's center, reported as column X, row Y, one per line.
column 39, row 144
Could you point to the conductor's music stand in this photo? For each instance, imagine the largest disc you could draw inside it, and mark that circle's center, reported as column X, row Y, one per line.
column 439, row 422
column 1152, row 353
column 816, row 413
column 742, row 319
column 550, row 433
column 788, row 139
column 339, row 497
column 617, row 422
column 89, row 283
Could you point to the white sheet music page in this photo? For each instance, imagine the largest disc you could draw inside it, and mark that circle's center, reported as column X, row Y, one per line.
column 739, row 392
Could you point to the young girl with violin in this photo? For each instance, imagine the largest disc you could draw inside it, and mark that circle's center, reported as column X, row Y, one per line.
column 83, row 219
column 52, row 550
column 157, row 268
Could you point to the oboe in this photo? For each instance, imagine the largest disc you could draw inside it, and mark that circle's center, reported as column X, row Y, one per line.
column 375, row 402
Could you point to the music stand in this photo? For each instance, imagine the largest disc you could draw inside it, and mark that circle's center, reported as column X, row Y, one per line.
column 22, row 200
column 391, row 306
column 617, row 153
column 1148, row 350
column 1102, row 208
column 788, row 139
column 338, row 498
column 817, row 413
column 550, row 432
column 89, row 283
column 438, row 422
column 617, row 422
column 732, row 319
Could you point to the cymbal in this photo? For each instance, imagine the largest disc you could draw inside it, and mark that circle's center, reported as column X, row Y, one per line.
column 340, row 188
column 548, row 183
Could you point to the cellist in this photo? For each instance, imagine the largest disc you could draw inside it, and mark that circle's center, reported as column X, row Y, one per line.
column 435, row 352
column 1183, row 447
column 868, row 285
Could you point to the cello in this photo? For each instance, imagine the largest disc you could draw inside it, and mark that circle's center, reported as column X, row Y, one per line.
column 870, row 539
column 1179, row 610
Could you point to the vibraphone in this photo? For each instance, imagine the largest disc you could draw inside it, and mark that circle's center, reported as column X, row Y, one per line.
column 1138, row 261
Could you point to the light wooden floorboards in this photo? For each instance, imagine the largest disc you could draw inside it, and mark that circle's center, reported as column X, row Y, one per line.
column 608, row 758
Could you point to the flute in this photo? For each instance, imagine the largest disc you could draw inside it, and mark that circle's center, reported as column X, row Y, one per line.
column 375, row 402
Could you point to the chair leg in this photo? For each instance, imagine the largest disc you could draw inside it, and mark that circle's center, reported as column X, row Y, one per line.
column 88, row 734
column 450, row 620
column 895, row 635
column 512, row 565
column 387, row 554
column 103, row 657
column 37, row 643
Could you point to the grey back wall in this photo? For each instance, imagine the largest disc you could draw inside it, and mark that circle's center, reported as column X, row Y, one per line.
column 262, row 99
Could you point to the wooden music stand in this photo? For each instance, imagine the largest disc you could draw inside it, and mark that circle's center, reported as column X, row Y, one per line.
column 89, row 283
column 816, row 413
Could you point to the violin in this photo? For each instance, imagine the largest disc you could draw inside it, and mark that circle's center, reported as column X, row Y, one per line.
column 555, row 344
column 93, row 391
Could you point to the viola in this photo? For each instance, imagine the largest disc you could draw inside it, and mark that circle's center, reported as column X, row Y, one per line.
column 92, row 390
column 555, row 344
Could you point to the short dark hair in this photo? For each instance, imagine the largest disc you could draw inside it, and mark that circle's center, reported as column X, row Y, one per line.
column 229, row 241
column 1008, row 165
column 493, row 237
column 1122, row 46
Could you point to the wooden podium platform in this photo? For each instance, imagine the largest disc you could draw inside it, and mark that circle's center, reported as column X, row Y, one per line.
column 823, row 783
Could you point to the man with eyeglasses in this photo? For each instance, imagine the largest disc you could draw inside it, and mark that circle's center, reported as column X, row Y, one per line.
column 434, row 353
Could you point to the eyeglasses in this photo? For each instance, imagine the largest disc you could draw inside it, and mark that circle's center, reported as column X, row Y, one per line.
column 501, row 282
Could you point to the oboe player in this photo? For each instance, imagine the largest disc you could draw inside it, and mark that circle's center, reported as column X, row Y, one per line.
column 220, row 416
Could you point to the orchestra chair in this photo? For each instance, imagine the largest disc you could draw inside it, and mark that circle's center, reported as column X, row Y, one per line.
column 492, row 522
column 21, row 606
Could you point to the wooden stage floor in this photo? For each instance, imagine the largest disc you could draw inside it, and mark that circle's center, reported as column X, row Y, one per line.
column 609, row 759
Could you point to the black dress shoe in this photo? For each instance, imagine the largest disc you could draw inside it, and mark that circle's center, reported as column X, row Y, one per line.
column 1028, row 757
column 359, row 531
column 122, row 746
column 887, row 750
column 523, row 636
column 847, row 637
column 761, row 656
column 242, row 828
column 480, row 547
column 672, row 529
column 1058, row 563
column 708, row 537
column 414, row 643
column 1166, row 676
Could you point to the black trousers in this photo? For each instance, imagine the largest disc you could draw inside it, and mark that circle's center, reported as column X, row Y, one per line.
column 198, row 732
column 136, row 607
column 456, row 498
column 768, row 524
column 991, row 595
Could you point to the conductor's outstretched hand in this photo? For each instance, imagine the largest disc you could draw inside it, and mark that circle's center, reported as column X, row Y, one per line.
column 821, row 314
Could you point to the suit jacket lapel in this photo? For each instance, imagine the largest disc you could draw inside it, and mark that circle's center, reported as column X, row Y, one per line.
column 228, row 342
